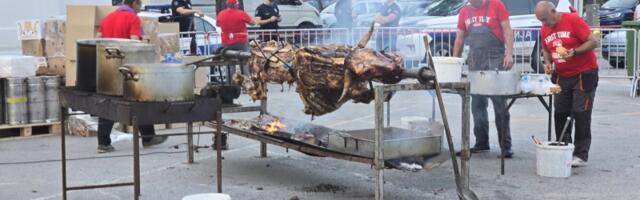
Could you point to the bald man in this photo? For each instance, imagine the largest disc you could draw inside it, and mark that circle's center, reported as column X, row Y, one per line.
column 568, row 43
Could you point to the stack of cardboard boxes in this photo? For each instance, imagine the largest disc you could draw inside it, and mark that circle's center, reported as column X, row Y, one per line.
column 82, row 23
column 54, row 29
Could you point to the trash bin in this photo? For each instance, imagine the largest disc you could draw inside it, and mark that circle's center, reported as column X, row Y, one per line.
column 631, row 47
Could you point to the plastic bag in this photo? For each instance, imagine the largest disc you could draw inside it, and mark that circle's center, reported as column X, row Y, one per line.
column 543, row 85
column 524, row 83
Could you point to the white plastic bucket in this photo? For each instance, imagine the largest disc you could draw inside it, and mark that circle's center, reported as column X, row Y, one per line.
column 448, row 69
column 207, row 196
column 554, row 161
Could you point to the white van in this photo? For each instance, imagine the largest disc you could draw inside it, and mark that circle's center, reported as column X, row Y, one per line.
column 294, row 13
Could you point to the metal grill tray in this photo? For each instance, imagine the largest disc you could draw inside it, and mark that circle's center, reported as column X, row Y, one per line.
column 398, row 143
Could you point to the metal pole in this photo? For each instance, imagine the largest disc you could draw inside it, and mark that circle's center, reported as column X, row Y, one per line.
column 389, row 113
column 190, row 142
column 263, row 146
column 136, row 158
column 379, row 141
column 63, row 117
column 466, row 116
column 219, row 151
column 550, row 110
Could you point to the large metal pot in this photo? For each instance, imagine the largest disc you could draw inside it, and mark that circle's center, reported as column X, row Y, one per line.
column 112, row 56
column 158, row 82
column 494, row 83
column 86, row 61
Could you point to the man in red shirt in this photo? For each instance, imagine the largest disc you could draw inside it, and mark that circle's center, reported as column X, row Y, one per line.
column 233, row 23
column 484, row 26
column 123, row 23
column 568, row 43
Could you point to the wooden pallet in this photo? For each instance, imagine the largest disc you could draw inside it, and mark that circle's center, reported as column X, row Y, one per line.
column 26, row 130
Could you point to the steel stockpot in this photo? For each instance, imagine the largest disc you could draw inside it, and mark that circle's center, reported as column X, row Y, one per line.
column 494, row 83
column 158, row 82
column 112, row 56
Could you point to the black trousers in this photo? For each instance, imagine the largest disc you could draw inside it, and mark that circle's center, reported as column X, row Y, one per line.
column 105, row 126
column 479, row 106
column 576, row 99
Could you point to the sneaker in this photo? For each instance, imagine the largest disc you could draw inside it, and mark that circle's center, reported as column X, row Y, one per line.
column 475, row 149
column 578, row 162
column 155, row 140
column 105, row 148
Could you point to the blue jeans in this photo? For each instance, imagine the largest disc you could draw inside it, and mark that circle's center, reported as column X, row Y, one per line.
column 479, row 106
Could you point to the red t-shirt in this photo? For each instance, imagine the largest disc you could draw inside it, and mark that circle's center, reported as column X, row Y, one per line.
column 233, row 24
column 120, row 24
column 495, row 15
column 570, row 32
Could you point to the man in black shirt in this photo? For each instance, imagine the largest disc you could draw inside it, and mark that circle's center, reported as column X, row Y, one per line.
column 389, row 16
column 267, row 16
column 183, row 13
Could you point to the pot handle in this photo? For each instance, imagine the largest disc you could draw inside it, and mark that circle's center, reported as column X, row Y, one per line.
column 113, row 52
column 128, row 74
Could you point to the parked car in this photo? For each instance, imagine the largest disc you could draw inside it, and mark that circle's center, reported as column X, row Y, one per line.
column 441, row 42
column 294, row 13
column 362, row 7
column 614, row 12
column 207, row 39
column 614, row 48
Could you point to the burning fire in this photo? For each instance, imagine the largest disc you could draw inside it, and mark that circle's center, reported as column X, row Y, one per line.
column 274, row 126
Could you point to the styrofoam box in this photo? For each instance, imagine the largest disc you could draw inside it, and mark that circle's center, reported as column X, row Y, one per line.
column 17, row 66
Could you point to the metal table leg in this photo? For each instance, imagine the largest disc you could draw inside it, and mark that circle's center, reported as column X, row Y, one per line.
column 190, row 142
column 379, row 147
column 136, row 159
column 464, row 165
column 63, row 148
column 219, row 152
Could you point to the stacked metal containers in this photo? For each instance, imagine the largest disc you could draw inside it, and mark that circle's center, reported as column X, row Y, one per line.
column 36, row 95
column 15, row 100
column 30, row 100
column 52, row 98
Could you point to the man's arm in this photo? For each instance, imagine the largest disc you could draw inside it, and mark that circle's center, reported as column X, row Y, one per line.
column 385, row 19
column 592, row 42
column 508, row 40
column 261, row 22
column 457, row 45
column 547, row 61
column 185, row 12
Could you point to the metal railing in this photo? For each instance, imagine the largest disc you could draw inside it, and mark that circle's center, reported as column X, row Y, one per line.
column 615, row 57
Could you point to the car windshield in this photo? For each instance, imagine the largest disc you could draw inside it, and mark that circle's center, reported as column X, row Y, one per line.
column 329, row 9
column 620, row 4
column 445, row 7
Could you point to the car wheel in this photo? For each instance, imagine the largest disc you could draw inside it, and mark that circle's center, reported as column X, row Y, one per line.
column 617, row 63
column 442, row 48
column 305, row 37
column 537, row 60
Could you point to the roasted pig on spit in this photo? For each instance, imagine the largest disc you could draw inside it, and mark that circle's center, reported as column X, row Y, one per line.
column 326, row 76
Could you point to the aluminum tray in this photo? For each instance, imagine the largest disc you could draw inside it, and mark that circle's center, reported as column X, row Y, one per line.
column 398, row 143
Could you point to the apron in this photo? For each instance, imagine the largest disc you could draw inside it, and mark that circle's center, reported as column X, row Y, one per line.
column 486, row 50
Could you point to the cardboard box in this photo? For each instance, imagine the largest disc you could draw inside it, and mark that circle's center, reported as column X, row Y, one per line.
column 82, row 23
column 202, row 77
column 56, row 66
column 33, row 47
column 70, row 72
column 54, row 28
column 54, row 48
column 167, row 43
column 31, row 29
